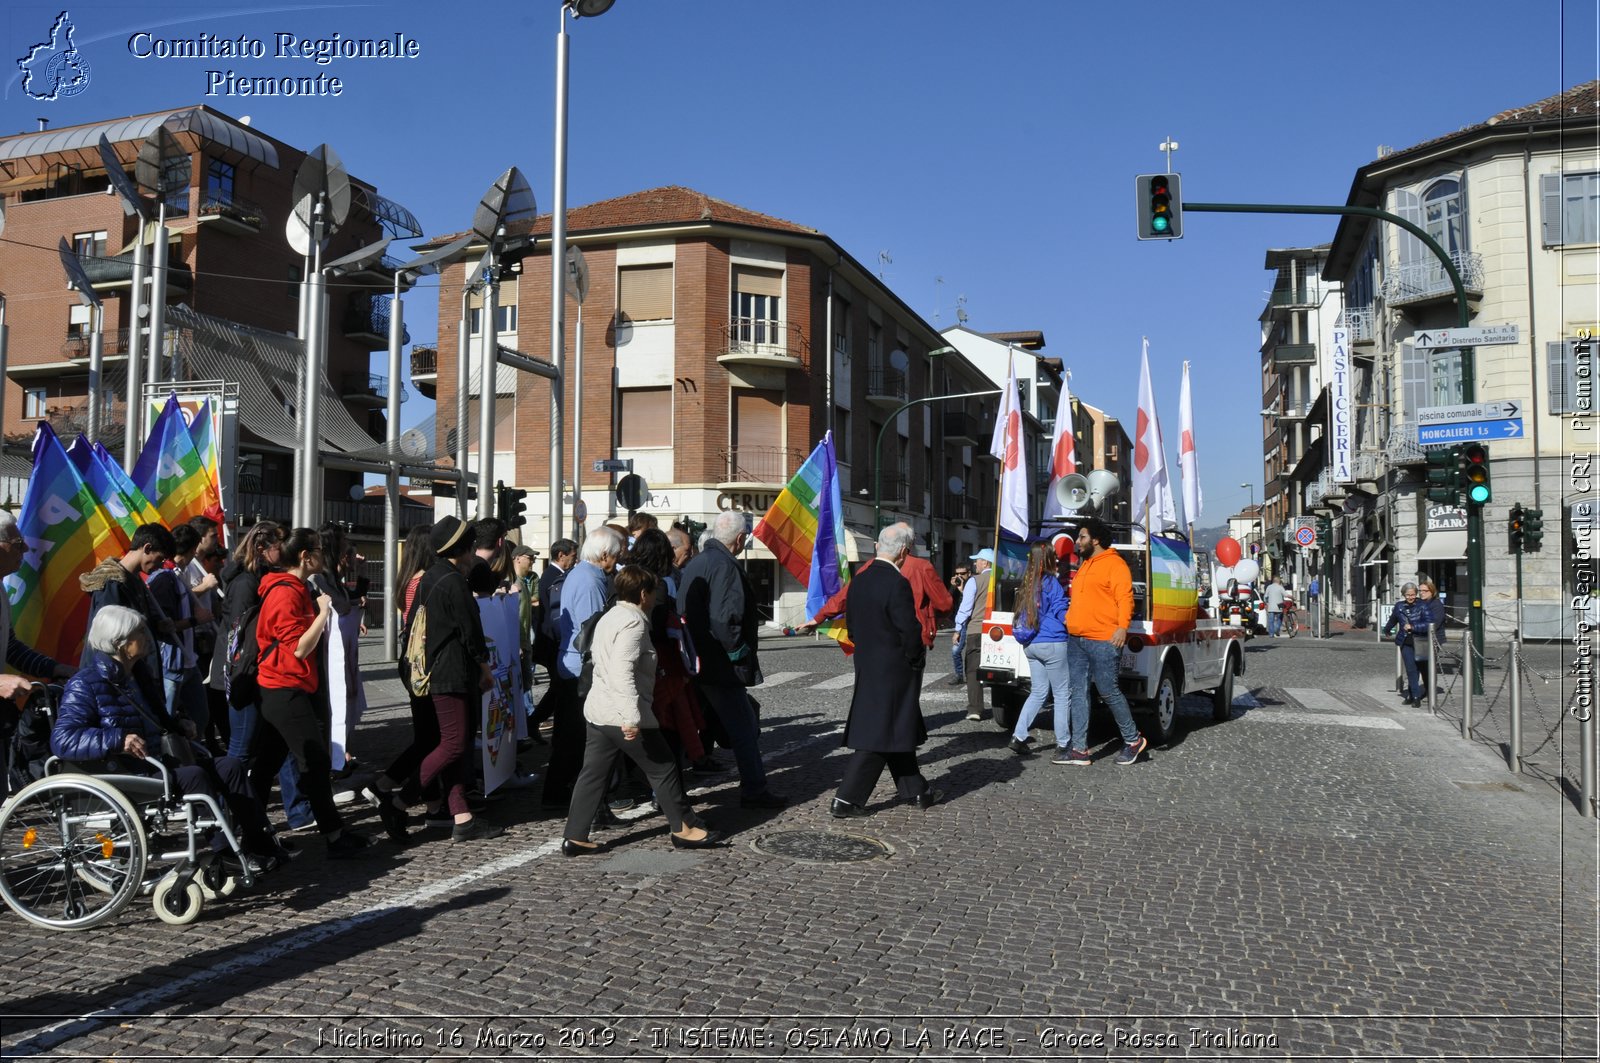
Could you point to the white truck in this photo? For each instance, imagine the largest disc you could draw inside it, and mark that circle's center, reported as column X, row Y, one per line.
column 1156, row 670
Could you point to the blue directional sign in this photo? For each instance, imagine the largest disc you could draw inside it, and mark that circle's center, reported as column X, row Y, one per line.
column 1433, row 435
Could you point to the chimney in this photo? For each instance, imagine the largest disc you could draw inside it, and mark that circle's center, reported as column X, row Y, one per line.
column 44, row 123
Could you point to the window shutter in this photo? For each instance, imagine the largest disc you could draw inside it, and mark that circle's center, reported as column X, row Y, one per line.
column 753, row 281
column 1560, row 370
column 757, row 418
column 644, row 293
column 645, row 417
column 1550, row 208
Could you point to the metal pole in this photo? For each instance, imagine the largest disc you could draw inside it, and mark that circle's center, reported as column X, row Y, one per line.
column 1514, row 738
column 158, row 297
column 1433, row 673
column 1467, row 677
column 133, row 423
column 877, row 452
column 303, row 331
column 391, row 484
column 558, row 293
column 577, row 417
column 487, row 390
column 309, row 489
column 463, row 412
column 1586, row 770
column 96, row 366
column 5, row 338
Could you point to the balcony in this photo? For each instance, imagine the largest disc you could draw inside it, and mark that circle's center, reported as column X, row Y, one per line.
column 963, row 508
column 369, row 389
column 1289, row 354
column 1360, row 322
column 763, row 341
column 1402, row 447
column 962, row 429
column 366, row 317
column 425, row 370
column 893, row 489
column 1369, row 467
column 1427, row 282
column 1297, row 298
column 108, row 274
column 886, row 386
column 115, row 342
column 229, row 213
column 759, row 466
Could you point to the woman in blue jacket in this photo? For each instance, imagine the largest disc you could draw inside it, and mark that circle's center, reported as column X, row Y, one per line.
column 1040, row 626
column 1410, row 620
column 105, row 724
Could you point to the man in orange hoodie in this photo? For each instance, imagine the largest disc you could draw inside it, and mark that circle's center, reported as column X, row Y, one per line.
column 1097, row 628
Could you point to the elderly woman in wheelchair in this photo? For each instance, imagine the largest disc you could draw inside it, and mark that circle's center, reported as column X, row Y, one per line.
column 129, row 772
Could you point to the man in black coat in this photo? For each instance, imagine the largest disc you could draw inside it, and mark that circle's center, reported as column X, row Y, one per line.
column 885, row 725
column 718, row 606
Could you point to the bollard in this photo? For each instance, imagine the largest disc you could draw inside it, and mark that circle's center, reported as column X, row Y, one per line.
column 1586, row 770
column 1402, row 684
column 1514, row 744
column 1433, row 674
column 1466, row 676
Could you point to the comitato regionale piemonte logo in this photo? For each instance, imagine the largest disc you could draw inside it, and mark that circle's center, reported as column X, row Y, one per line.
column 54, row 69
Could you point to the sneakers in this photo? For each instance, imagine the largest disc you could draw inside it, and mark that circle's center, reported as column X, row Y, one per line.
column 974, row 715
column 1078, row 758
column 475, row 829
column 1020, row 747
column 1133, row 751
column 348, row 844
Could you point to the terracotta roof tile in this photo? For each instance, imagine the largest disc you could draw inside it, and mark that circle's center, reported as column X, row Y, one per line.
column 1580, row 101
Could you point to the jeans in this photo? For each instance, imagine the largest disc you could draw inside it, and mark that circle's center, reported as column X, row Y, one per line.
column 242, row 723
column 732, row 708
column 1408, row 655
column 186, row 699
column 1096, row 660
column 1050, row 674
column 1274, row 621
column 957, row 648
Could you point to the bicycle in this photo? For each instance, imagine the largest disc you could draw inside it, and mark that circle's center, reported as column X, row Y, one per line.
column 1289, row 624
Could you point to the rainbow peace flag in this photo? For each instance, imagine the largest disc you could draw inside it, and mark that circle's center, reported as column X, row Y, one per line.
column 169, row 470
column 116, row 507
column 202, row 433
column 1173, row 594
column 68, row 533
column 143, row 511
column 804, row 529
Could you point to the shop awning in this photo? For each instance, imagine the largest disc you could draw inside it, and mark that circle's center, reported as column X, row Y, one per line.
column 1447, row 544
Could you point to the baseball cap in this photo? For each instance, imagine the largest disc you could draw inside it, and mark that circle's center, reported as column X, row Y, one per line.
column 524, row 551
column 985, row 554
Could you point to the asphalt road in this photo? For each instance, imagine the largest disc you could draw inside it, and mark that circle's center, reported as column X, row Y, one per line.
column 1327, row 873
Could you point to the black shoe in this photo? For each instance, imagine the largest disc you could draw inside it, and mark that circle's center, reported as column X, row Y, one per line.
column 928, row 798
column 843, row 809
column 712, row 840
column 258, row 864
column 765, row 799
column 441, row 818
column 604, row 818
column 956, row 681
column 1022, row 748
column 708, row 766
column 475, row 829
column 572, row 848
column 395, row 819
column 348, row 844
column 285, row 849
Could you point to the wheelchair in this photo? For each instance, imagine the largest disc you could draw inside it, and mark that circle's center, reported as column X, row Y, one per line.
column 76, row 849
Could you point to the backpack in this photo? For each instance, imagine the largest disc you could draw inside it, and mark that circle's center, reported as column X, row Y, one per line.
column 416, row 657
column 583, row 642
column 25, row 736
column 241, row 677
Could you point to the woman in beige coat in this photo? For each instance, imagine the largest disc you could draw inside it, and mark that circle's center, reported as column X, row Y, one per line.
column 621, row 723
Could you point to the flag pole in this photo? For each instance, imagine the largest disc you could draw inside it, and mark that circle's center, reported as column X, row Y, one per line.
column 999, row 494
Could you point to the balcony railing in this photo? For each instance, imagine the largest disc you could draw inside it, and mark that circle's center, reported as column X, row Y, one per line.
column 1303, row 296
column 117, row 271
column 375, row 385
column 1360, row 322
column 225, row 205
column 762, row 340
column 368, row 315
column 761, row 464
column 885, row 384
column 424, row 361
column 1369, row 466
column 1422, row 281
column 961, row 427
column 893, row 488
column 116, row 341
column 960, row 507
column 1402, row 447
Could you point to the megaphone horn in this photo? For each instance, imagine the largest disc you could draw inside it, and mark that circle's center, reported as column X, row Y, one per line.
column 1102, row 485
column 1072, row 492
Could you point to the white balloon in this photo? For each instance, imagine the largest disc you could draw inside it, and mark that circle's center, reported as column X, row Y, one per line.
column 1246, row 571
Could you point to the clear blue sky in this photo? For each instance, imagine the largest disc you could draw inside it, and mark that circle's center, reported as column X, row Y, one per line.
column 992, row 144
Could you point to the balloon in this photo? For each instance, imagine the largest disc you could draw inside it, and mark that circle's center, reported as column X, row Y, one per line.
column 1246, row 571
column 1228, row 550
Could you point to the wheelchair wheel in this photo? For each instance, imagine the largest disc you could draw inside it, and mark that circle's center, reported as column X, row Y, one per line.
column 217, row 881
column 174, row 906
column 72, row 852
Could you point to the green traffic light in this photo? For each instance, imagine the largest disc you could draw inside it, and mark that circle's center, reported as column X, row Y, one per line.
column 1479, row 493
column 1159, row 224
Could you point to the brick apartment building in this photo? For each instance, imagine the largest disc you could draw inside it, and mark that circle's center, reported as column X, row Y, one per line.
column 228, row 258
column 719, row 345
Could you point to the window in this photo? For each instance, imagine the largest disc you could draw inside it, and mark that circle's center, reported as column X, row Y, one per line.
column 841, row 326
column 1571, row 375
column 841, row 435
column 757, row 419
column 644, row 417
column 1441, row 214
column 505, row 320
column 1570, row 208
column 757, row 305
column 644, row 293
column 90, row 245
column 33, row 402
column 1429, row 378
column 219, row 181
column 78, row 320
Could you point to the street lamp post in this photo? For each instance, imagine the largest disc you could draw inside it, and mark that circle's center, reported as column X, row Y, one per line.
column 877, row 452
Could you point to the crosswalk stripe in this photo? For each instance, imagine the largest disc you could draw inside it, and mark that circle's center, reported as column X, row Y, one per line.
column 1324, row 719
column 777, row 679
column 1320, row 700
column 930, row 678
column 838, row 682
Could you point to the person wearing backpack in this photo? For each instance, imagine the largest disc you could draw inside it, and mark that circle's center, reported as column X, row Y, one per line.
column 1040, row 627
column 415, row 558
column 455, row 672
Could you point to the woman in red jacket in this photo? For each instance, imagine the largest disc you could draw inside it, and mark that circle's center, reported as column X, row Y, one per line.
column 289, row 630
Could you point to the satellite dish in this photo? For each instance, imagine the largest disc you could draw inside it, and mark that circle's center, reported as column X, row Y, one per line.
column 357, row 492
column 76, row 278
column 899, row 361
column 157, row 170
column 508, row 200
column 322, row 174
column 413, row 443
column 957, row 486
column 132, row 202
column 1072, row 492
column 1102, row 485
column 356, row 261
column 577, row 275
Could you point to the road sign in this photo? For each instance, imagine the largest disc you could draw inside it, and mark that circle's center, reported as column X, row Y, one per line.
column 1480, row 336
column 1305, row 537
column 613, row 465
column 1435, row 435
column 631, row 491
column 1498, row 410
column 580, row 511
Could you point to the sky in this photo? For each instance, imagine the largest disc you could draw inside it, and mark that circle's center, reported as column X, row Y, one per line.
column 986, row 150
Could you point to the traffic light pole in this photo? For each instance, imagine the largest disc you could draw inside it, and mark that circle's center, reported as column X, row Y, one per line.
column 1468, row 369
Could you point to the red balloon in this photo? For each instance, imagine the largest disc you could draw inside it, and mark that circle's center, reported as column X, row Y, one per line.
column 1228, row 550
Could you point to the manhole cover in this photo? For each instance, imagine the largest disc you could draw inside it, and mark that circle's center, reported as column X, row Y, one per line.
column 822, row 847
column 1492, row 787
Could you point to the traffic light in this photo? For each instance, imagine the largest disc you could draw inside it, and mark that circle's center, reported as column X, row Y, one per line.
column 1160, row 206
column 1532, row 529
column 1516, row 529
column 1442, row 474
column 1472, row 472
column 509, row 505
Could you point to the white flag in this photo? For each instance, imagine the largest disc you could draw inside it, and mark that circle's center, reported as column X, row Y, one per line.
column 1188, row 458
column 1152, row 489
column 1006, row 446
column 1063, row 452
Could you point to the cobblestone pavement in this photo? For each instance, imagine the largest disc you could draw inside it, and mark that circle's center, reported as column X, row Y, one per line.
column 1327, row 873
